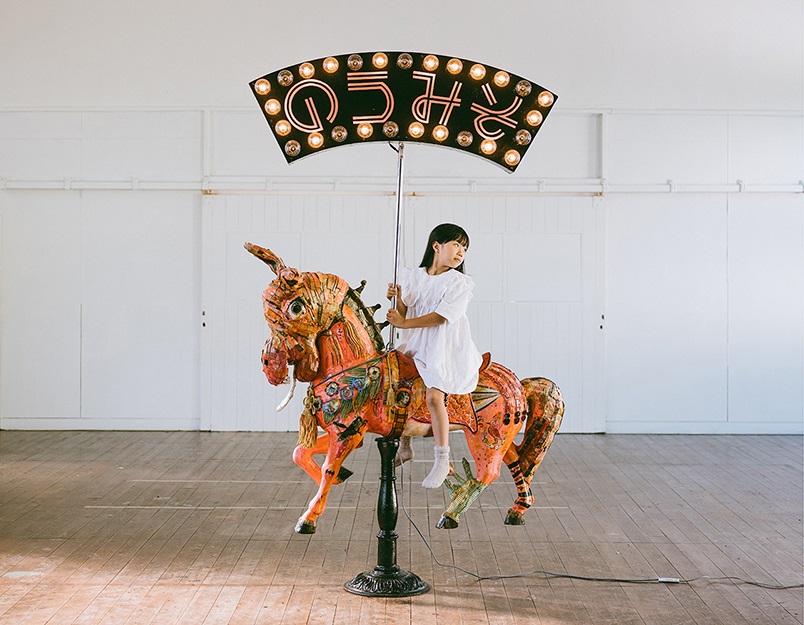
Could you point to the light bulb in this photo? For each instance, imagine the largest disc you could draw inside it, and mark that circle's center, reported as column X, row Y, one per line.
column 523, row 137
column 282, row 128
column 306, row 70
column 415, row 130
column 365, row 130
column 430, row 62
column 339, row 134
column 464, row 138
column 405, row 61
column 440, row 133
column 262, row 86
column 331, row 65
column 501, row 79
column 315, row 140
column 292, row 148
column 488, row 146
column 454, row 66
column 390, row 129
column 355, row 62
column 534, row 118
column 522, row 88
column 511, row 157
column 272, row 106
column 379, row 60
column 285, row 78
column 545, row 98
column 477, row 72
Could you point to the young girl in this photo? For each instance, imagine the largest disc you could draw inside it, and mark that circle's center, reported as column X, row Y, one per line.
column 431, row 306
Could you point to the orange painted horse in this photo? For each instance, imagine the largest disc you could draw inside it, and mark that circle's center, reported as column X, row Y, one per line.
column 320, row 327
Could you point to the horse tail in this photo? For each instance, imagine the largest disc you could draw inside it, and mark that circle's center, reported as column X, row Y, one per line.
column 546, row 410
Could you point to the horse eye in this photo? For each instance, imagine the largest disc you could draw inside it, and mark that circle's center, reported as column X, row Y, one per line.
column 296, row 308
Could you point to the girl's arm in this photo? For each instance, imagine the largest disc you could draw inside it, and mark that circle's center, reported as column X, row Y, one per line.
column 396, row 291
column 425, row 321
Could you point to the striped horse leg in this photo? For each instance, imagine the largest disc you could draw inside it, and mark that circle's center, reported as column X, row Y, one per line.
column 524, row 500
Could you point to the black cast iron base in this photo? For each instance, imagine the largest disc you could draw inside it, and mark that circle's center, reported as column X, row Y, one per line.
column 384, row 583
column 387, row 579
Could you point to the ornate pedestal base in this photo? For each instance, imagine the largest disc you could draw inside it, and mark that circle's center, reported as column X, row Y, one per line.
column 383, row 583
column 387, row 579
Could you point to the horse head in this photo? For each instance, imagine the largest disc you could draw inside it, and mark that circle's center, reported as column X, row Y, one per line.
column 298, row 306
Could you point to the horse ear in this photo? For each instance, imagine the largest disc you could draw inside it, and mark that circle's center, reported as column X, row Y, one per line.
column 266, row 256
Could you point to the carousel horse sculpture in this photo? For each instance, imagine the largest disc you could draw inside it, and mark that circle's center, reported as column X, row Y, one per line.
column 321, row 328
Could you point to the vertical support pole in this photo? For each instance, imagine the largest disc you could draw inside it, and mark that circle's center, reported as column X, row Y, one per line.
column 387, row 579
column 387, row 507
column 400, row 176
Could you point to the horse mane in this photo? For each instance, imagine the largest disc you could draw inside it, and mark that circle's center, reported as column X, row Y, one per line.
column 366, row 315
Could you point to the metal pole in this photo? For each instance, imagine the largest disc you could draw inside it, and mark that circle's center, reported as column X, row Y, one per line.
column 400, row 174
column 387, row 579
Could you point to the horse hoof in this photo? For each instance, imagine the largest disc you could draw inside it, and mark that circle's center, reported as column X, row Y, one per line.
column 343, row 475
column 305, row 527
column 515, row 518
column 446, row 523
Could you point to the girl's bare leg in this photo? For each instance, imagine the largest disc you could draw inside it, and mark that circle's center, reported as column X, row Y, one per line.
column 440, row 421
column 405, row 451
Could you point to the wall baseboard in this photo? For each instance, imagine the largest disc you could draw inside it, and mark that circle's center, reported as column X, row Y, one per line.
column 705, row 427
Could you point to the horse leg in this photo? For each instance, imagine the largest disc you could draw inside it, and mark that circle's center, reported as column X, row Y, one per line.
column 524, row 500
column 546, row 409
column 303, row 456
column 337, row 452
column 468, row 488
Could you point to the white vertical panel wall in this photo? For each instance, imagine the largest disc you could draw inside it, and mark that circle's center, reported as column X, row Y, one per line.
column 536, row 263
column 103, row 323
column 100, row 294
column 705, row 320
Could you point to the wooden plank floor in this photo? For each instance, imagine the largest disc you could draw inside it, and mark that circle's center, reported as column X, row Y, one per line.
column 131, row 528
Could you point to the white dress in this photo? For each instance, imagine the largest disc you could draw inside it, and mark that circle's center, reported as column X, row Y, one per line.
column 445, row 355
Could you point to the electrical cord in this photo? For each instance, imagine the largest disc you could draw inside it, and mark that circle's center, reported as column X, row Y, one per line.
column 652, row 580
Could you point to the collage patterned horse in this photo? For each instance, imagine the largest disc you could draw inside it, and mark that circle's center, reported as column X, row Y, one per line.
column 320, row 327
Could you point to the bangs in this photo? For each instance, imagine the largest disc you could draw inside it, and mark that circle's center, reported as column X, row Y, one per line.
column 450, row 232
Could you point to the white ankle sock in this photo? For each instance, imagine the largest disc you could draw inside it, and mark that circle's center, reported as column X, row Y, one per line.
column 440, row 468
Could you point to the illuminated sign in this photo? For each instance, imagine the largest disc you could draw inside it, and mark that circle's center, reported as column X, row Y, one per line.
column 401, row 96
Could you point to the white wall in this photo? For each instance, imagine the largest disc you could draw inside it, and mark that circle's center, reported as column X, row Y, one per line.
column 685, row 121
column 690, row 54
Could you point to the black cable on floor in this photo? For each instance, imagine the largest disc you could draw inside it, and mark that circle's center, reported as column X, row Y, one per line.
column 652, row 580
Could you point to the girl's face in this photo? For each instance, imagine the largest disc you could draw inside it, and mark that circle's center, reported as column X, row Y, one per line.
column 448, row 255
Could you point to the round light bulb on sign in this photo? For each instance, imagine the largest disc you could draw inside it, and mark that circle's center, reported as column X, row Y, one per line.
column 416, row 130
column 501, row 79
column 546, row 98
column 477, row 71
column 315, row 140
column 440, row 133
column 262, row 86
column 454, row 66
column 534, row 118
column 430, row 63
column 331, row 65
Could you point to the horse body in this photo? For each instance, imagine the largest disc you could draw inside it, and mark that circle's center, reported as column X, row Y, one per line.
column 321, row 327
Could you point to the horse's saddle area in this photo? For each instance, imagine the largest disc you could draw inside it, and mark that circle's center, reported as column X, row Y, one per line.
column 405, row 395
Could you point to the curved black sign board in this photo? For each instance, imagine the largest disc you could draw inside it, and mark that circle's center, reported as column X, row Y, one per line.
column 403, row 96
